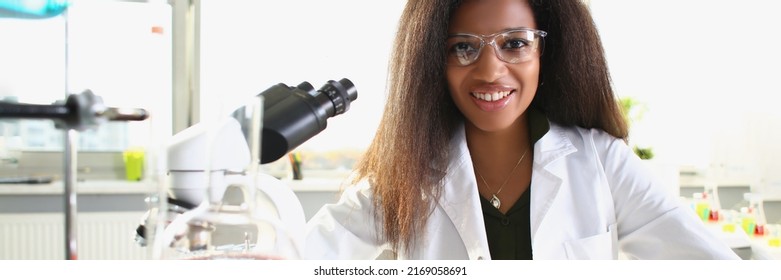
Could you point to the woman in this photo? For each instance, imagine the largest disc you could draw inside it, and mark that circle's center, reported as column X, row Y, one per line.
column 502, row 139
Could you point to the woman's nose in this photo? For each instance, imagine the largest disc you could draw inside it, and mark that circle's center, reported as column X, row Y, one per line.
column 488, row 66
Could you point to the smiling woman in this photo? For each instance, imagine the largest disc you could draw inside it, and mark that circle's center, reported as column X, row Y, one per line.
column 471, row 96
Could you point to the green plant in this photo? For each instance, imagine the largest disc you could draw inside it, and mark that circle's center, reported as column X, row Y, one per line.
column 633, row 111
column 644, row 153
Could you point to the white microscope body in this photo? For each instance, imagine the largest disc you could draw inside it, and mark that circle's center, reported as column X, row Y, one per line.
column 206, row 162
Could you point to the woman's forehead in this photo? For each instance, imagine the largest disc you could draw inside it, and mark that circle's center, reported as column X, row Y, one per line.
column 490, row 16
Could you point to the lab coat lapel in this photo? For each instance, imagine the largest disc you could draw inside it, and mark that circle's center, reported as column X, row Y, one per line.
column 548, row 173
column 461, row 201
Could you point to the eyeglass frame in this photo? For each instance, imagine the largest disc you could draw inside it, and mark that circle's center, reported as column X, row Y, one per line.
column 491, row 38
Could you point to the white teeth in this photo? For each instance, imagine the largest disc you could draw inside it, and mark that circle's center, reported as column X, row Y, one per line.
column 491, row 96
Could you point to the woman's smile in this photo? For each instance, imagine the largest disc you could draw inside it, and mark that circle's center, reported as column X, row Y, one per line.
column 490, row 101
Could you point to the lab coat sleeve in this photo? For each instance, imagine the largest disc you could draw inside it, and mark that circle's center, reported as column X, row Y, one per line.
column 651, row 222
column 345, row 230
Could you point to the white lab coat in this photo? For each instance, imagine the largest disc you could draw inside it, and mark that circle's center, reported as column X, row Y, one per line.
column 590, row 198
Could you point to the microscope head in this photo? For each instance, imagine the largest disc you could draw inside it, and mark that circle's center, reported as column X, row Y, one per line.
column 206, row 154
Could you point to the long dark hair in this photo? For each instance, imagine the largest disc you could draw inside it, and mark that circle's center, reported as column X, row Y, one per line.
column 408, row 157
column 575, row 85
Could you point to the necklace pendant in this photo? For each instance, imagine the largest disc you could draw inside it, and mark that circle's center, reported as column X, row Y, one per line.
column 495, row 201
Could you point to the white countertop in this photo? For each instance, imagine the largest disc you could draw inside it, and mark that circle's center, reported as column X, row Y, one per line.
column 735, row 239
column 85, row 187
column 316, row 185
column 148, row 187
column 762, row 250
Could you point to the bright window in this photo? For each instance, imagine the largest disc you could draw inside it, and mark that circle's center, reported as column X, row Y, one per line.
column 121, row 51
column 248, row 46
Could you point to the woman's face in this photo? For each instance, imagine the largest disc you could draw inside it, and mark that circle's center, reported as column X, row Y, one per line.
column 471, row 85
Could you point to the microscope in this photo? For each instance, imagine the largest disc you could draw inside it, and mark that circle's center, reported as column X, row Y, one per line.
column 218, row 205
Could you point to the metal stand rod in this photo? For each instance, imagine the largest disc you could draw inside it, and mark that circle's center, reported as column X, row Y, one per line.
column 71, row 228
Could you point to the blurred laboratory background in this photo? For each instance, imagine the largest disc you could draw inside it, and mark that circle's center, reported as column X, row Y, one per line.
column 697, row 79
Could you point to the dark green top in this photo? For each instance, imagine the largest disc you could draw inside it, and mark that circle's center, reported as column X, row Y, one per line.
column 509, row 236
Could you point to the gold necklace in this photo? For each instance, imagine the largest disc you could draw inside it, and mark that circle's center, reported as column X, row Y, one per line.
column 495, row 200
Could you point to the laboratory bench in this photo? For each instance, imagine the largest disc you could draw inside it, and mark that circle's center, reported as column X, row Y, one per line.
column 32, row 223
column 118, row 195
column 32, row 219
column 92, row 196
column 748, row 247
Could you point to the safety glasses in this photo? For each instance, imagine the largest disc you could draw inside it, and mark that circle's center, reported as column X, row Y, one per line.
column 511, row 46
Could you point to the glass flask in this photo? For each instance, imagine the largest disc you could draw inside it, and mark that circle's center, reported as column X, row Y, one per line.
column 219, row 206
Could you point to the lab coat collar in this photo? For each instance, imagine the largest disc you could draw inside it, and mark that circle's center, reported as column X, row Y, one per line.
column 460, row 199
column 548, row 172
